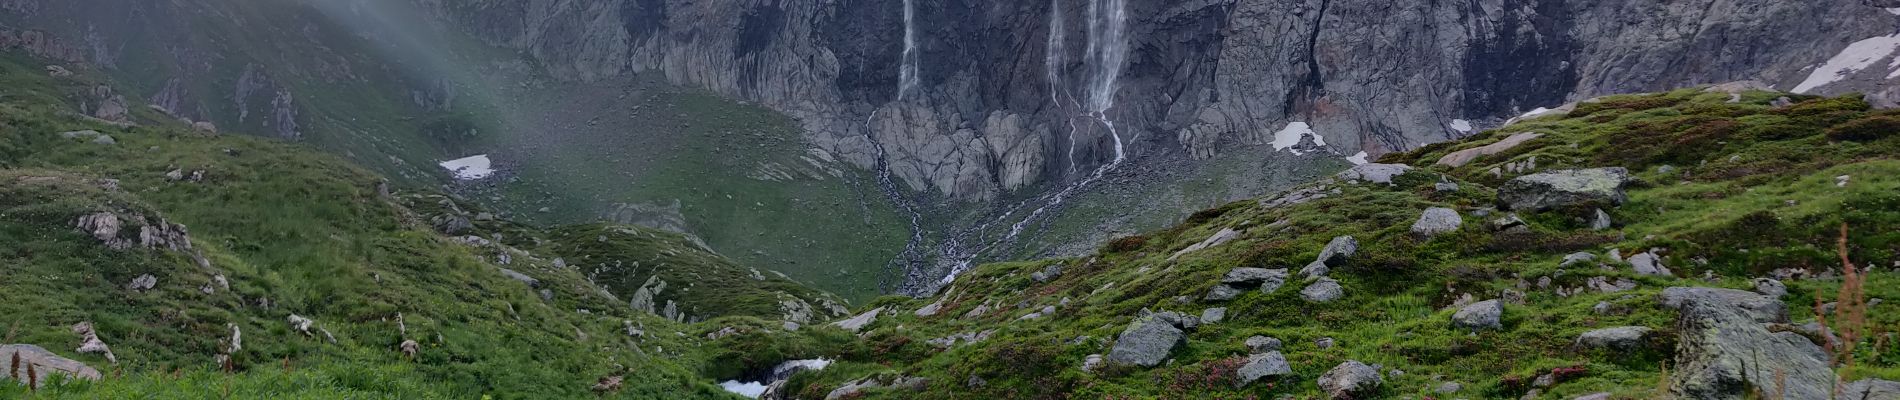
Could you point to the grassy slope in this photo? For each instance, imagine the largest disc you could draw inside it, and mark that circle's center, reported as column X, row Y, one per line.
column 1754, row 190
column 309, row 233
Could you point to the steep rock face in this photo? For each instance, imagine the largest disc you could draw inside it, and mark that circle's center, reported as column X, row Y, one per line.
column 1198, row 76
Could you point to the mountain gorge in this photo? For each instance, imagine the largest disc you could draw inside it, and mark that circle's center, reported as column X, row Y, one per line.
column 798, row 199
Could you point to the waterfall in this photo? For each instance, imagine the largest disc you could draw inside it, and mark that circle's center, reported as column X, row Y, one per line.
column 1103, row 61
column 907, row 78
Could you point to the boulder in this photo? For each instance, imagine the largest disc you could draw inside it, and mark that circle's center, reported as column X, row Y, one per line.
column 1314, row 270
column 1267, row 280
column 1269, row 364
column 1577, row 258
column 1770, row 287
column 1221, row 292
column 1437, row 220
column 1597, row 187
column 1350, row 380
column 1462, row 157
column 1322, row 291
column 1375, row 173
column 1601, row 221
column 1147, row 343
column 1649, row 264
column 1871, row 389
column 1261, row 344
column 855, row 324
column 1339, row 251
column 1213, row 315
column 43, row 363
column 1488, row 314
column 1620, row 338
column 1726, row 348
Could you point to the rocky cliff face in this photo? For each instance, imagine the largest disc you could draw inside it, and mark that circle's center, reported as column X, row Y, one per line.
column 1006, row 95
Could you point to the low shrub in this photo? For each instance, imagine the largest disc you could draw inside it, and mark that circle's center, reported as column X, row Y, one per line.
column 1865, row 129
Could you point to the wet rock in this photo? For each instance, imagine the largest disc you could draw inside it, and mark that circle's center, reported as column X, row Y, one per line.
column 1435, row 221
column 1269, row 364
column 1482, row 315
column 1566, row 188
column 1350, row 380
column 1620, row 338
column 1147, row 343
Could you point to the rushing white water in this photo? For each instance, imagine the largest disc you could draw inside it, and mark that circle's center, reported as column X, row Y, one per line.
column 907, row 79
column 782, row 372
column 1103, row 59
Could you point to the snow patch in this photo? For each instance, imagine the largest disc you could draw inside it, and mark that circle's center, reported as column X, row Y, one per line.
column 1291, row 135
column 750, row 390
column 1461, row 125
column 470, row 168
column 1855, row 57
column 1358, row 159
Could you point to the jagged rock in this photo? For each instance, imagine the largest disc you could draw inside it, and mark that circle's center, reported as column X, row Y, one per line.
column 1314, row 270
column 1565, row 188
column 300, row 324
column 1147, row 342
column 1726, row 347
column 1437, row 220
column 1179, row 320
column 1460, row 158
column 1601, row 221
column 1213, row 315
column 1261, row 344
column 1509, row 222
column 89, row 342
column 1770, row 287
column 1338, row 251
column 142, row 283
column 644, row 297
column 1322, row 291
column 1649, row 264
column 1375, row 173
column 1871, row 389
column 1269, row 364
column 523, row 278
column 1486, row 314
column 1618, row 338
column 1267, row 280
column 43, row 363
column 855, row 324
column 1350, row 380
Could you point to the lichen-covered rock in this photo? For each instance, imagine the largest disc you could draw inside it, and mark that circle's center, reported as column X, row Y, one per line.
column 1350, row 380
column 1322, row 291
column 1726, row 347
column 1488, row 314
column 1597, row 187
column 1147, row 342
column 1269, row 364
column 1618, row 338
column 1437, row 220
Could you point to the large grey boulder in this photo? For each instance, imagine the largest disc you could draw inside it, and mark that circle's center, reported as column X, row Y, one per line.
column 44, row 363
column 1618, row 338
column 1350, row 380
column 1566, row 188
column 1726, row 348
column 1261, row 344
column 1437, row 220
column 1147, row 343
column 1269, row 364
column 1649, row 264
column 1488, row 314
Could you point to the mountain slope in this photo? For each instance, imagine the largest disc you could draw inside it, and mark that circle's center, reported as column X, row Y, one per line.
column 194, row 258
column 1727, row 186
